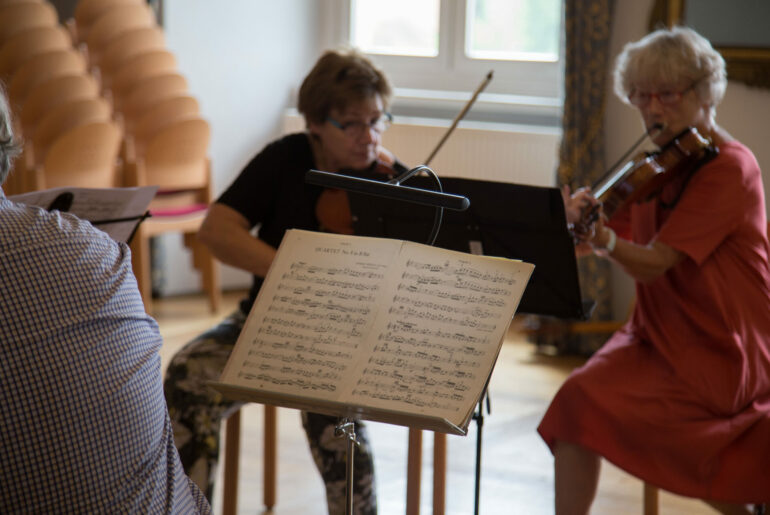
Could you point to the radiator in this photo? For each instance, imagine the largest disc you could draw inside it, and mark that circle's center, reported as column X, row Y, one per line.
column 492, row 152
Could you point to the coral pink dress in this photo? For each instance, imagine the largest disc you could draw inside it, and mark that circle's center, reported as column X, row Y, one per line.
column 680, row 396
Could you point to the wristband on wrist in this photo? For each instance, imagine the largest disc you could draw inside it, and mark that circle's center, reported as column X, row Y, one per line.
column 613, row 239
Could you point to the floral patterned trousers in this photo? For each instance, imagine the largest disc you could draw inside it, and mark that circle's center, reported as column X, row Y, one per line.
column 197, row 411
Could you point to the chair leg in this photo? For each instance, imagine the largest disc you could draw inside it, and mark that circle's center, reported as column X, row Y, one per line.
column 270, row 462
column 413, row 470
column 140, row 261
column 650, row 499
column 231, row 459
column 439, row 473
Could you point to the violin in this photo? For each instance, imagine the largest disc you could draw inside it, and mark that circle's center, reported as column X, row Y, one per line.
column 644, row 177
column 333, row 206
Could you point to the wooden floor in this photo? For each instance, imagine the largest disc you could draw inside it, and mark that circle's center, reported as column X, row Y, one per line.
column 516, row 474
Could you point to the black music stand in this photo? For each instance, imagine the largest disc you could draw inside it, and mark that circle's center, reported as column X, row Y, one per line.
column 507, row 220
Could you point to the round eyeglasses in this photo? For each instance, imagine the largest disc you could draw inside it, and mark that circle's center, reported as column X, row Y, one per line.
column 666, row 98
column 357, row 129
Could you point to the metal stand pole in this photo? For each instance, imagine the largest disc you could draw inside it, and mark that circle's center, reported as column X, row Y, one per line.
column 347, row 429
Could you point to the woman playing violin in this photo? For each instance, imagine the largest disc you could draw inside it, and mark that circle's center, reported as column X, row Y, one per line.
column 680, row 396
column 344, row 100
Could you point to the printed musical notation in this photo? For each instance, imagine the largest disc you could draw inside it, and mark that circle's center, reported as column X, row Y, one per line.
column 431, row 350
column 377, row 325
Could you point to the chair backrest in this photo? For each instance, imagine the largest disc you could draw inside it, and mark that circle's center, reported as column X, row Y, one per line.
column 177, row 156
column 149, row 92
column 137, row 69
column 116, row 20
column 88, row 11
column 84, row 156
column 21, row 16
column 24, row 45
column 43, row 67
column 54, row 92
column 64, row 117
column 128, row 45
column 163, row 113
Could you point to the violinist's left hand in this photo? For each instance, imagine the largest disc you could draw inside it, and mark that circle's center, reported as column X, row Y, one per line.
column 575, row 204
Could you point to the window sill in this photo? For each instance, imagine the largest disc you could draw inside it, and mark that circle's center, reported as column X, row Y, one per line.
column 492, row 108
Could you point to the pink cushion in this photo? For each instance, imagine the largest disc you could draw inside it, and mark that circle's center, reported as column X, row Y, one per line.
column 179, row 211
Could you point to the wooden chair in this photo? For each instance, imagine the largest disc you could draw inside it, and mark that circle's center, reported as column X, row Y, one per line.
column 43, row 67
column 88, row 11
column 137, row 69
column 20, row 16
column 175, row 159
column 148, row 93
column 155, row 118
column 117, row 20
column 52, row 93
column 231, row 459
column 59, row 120
column 84, row 156
column 126, row 46
column 24, row 45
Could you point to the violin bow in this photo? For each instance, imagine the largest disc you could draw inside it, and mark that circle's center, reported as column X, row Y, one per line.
column 460, row 116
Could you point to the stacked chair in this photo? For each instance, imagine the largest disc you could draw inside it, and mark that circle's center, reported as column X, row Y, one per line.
column 99, row 102
column 139, row 76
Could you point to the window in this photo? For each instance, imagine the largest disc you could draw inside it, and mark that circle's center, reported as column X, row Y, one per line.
column 436, row 51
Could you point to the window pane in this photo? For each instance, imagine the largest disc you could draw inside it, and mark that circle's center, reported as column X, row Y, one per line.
column 395, row 27
column 519, row 30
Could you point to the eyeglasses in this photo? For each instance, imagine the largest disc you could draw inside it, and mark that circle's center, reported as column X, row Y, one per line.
column 357, row 129
column 666, row 98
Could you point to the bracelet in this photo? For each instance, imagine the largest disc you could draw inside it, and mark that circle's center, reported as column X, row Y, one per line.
column 611, row 242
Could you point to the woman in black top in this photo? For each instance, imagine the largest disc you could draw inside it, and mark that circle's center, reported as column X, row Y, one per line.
column 344, row 101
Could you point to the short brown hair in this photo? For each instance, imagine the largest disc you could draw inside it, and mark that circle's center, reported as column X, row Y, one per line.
column 337, row 79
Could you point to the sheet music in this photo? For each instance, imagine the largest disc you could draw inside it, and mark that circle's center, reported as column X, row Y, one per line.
column 378, row 323
column 99, row 204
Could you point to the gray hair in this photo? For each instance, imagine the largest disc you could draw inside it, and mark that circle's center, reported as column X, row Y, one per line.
column 9, row 148
column 677, row 57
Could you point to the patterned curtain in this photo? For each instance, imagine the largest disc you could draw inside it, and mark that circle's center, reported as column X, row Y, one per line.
column 581, row 156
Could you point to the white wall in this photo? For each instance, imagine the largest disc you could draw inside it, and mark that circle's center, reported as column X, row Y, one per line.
column 242, row 59
column 743, row 112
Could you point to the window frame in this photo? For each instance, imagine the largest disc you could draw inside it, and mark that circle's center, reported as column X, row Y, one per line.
column 528, row 92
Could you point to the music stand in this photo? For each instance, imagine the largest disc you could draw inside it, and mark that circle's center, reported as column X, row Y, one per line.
column 507, row 220
column 514, row 221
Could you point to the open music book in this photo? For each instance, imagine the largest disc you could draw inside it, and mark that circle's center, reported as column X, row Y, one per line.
column 375, row 328
column 116, row 211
